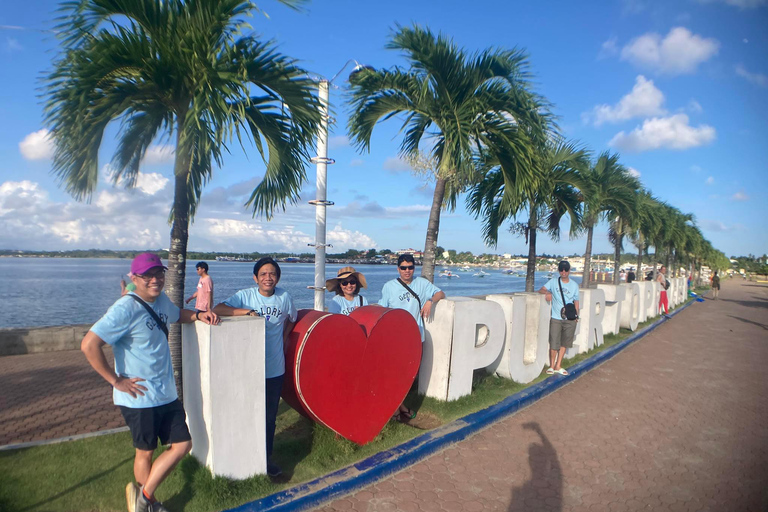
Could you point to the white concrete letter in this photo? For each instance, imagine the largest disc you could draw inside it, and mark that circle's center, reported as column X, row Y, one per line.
column 224, row 395
column 630, row 309
column 614, row 301
column 589, row 332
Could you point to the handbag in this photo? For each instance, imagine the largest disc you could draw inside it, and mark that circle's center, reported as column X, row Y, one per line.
column 569, row 311
column 152, row 313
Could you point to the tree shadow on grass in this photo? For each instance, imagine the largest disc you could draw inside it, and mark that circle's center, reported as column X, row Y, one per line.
column 545, row 487
column 187, row 467
column 83, row 483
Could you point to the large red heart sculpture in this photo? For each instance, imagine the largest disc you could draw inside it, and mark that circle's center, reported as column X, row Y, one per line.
column 350, row 373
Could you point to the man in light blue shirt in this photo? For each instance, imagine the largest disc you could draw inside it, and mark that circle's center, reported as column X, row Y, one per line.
column 142, row 381
column 395, row 295
column 561, row 330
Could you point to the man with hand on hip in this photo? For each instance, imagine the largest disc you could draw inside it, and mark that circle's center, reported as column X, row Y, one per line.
column 559, row 292
column 142, row 381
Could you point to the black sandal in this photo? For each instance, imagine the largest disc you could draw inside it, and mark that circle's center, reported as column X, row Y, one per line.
column 406, row 416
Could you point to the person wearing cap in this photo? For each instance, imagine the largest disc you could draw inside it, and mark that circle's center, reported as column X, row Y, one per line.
column 346, row 284
column 204, row 292
column 143, row 385
column 416, row 296
column 276, row 307
column 561, row 330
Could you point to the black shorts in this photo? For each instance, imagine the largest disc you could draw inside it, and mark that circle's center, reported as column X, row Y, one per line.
column 168, row 422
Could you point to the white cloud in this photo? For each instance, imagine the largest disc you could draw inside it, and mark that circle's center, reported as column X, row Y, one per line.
column 345, row 239
column 159, row 154
column 11, row 45
column 643, row 101
column 695, row 107
column 396, row 165
column 339, row 141
column 608, row 48
column 712, row 225
column 37, row 145
column 151, row 183
column 695, row 168
column 671, row 132
column 710, row 180
column 633, row 172
column 756, row 78
column 740, row 196
column 679, row 52
column 357, row 162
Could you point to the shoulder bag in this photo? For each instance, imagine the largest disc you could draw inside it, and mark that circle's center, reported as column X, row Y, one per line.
column 569, row 311
column 411, row 291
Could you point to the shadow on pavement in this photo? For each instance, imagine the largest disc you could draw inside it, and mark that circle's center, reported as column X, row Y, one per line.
column 545, row 488
column 762, row 303
column 749, row 322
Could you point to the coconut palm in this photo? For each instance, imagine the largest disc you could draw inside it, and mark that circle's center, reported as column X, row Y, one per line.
column 181, row 69
column 545, row 200
column 624, row 222
column 608, row 191
column 462, row 103
column 648, row 224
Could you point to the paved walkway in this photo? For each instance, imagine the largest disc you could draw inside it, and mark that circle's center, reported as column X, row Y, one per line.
column 677, row 421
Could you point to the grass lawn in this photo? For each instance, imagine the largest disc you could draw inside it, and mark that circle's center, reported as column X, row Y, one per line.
column 91, row 474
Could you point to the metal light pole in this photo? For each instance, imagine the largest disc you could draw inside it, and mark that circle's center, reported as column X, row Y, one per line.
column 321, row 202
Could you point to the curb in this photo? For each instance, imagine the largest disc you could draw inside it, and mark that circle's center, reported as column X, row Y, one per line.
column 30, row 444
column 375, row 467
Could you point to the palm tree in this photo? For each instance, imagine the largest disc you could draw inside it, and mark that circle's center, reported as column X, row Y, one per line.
column 649, row 211
column 608, row 191
column 625, row 221
column 464, row 104
column 500, row 197
column 182, row 69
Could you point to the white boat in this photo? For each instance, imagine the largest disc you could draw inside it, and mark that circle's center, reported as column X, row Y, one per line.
column 448, row 274
column 482, row 273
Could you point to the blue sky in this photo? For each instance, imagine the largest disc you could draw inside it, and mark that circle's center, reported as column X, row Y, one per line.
column 679, row 88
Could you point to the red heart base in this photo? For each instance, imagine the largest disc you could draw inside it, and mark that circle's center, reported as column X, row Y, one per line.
column 350, row 373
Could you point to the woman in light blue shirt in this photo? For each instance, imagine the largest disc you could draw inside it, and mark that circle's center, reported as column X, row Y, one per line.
column 346, row 284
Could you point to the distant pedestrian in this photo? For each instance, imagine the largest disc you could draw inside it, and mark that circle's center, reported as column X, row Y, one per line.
column 631, row 275
column 715, row 285
column 559, row 292
column 346, row 284
column 142, row 381
column 661, row 278
column 276, row 307
column 415, row 295
column 125, row 288
column 204, row 292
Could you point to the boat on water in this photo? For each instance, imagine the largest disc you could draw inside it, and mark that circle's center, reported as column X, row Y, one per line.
column 448, row 273
column 482, row 273
column 550, row 274
column 465, row 268
column 514, row 273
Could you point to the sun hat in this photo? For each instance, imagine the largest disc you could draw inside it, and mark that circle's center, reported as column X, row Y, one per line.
column 332, row 284
column 146, row 261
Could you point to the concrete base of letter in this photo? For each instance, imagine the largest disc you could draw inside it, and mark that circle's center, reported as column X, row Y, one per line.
column 224, row 395
column 614, row 300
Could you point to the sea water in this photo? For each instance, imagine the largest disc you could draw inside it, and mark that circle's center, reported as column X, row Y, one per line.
column 62, row 291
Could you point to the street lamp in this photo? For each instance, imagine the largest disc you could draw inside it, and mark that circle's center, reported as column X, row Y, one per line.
column 321, row 202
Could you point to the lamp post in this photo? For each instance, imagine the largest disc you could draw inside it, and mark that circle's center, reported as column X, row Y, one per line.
column 321, row 201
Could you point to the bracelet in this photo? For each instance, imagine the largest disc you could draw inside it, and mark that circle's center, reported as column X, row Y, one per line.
column 197, row 315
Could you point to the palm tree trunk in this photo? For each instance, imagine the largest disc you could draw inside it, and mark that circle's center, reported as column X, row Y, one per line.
column 530, row 274
column 433, row 227
column 640, row 251
column 177, row 256
column 617, row 259
column 588, row 257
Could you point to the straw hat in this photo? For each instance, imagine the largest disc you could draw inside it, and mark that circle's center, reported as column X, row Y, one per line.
column 332, row 284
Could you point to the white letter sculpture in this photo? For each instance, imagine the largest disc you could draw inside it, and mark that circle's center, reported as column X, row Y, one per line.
column 589, row 330
column 614, row 300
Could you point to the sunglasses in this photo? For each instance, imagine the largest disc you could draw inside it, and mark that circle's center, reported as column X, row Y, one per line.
column 347, row 283
column 148, row 277
column 407, row 268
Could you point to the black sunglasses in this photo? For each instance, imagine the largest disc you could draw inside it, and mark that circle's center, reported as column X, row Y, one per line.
column 347, row 283
column 407, row 268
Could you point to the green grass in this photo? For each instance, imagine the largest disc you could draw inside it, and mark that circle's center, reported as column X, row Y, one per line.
column 91, row 474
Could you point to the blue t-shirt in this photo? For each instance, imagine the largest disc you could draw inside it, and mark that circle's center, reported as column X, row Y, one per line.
column 570, row 292
column 343, row 306
column 275, row 309
column 141, row 349
column 394, row 295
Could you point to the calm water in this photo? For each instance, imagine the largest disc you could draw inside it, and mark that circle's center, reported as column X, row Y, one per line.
column 52, row 291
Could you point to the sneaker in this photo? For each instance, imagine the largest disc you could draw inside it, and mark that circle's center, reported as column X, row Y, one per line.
column 273, row 470
column 144, row 505
column 131, row 493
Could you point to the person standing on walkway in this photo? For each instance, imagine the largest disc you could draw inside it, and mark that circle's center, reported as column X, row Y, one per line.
column 125, row 288
column 631, row 275
column 276, row 307
column 559, row 292
column 415, row 295
column 661, row 278
column 715, row 285
column 142, row 381
column 204, row 292
column 346, row 284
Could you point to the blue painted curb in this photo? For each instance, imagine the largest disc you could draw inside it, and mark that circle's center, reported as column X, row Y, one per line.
column 377, row 466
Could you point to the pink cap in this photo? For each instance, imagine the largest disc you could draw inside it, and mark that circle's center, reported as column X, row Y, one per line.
column 144, row 262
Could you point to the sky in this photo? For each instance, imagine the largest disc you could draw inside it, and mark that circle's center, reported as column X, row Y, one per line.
column 679, row 88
